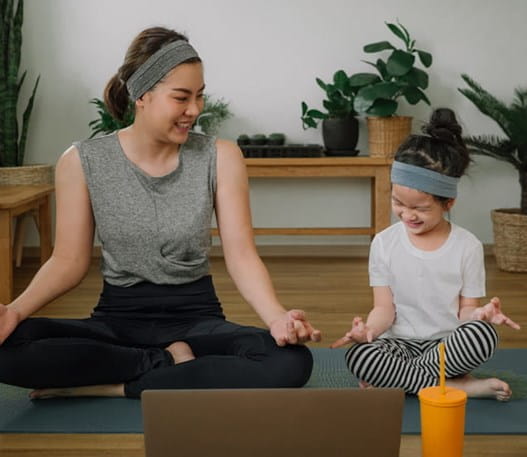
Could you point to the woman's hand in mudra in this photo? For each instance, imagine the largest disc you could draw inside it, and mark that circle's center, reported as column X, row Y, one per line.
column 293, row 328
column 9, row 319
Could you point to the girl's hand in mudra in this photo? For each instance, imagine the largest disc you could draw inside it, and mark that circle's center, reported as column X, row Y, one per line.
column 293, row 328
column 491, row 312
column 359, row 333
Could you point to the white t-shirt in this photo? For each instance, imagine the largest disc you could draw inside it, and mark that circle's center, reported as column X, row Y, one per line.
column 426, row 285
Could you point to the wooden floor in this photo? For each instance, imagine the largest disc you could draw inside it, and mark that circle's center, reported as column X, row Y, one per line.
column 330, row 285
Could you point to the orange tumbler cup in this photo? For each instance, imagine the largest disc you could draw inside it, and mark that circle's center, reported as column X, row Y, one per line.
column 442, row 421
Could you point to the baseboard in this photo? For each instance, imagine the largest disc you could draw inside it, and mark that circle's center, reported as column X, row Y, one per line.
column 350, row 250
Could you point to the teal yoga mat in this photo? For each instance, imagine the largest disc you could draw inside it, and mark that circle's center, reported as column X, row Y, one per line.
column 18, row 414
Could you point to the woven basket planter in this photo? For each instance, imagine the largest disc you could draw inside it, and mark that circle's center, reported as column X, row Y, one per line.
column 385, row 134
column 510, row 239
column 26, row 175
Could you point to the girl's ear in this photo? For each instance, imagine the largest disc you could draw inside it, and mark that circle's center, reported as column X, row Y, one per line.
column 449, row 204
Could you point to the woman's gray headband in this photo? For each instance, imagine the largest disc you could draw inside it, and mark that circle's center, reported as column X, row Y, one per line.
column 423, row 179
column 157, row 66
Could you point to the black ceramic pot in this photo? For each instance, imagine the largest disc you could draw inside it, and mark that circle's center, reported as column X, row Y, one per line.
column 340, row 136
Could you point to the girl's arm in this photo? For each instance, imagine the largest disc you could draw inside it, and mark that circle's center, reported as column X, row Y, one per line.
column 71, row 255
column 382, row 315
column 467, row 306
column 241, row 258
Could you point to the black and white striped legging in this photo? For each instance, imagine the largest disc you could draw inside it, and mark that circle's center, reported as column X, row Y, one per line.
column 412, row 364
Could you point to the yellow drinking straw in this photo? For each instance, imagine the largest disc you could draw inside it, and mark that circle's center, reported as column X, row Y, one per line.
column 442, row 368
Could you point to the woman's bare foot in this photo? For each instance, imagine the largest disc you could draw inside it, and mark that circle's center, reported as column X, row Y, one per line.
column 107, row 390
column 181, row 352
column 482, row 388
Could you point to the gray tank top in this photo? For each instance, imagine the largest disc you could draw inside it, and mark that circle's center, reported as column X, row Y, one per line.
column 154, row 229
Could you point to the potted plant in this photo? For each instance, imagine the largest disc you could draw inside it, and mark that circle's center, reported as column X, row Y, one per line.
column 396, row 77
column 213, row 114
column 340, row 127
column 510, row 225
column 13, row 137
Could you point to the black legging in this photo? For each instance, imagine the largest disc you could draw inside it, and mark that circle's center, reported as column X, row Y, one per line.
column 127, row 346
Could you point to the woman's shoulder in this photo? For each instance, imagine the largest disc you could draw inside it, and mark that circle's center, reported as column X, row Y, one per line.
column 96, row 144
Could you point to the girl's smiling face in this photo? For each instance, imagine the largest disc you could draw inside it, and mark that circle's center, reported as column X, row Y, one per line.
column 420, row 212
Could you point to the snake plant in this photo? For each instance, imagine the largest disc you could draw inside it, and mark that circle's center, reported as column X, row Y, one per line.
column 12, row 138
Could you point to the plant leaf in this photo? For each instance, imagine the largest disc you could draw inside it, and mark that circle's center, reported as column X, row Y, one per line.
column 414, row 95
column 399, row 63
column 367, row 96
column 316, row 114
column 383, row 108
column 378, row 46
column 424, row 57
column 321, row 84
column 363, row 79
column 416, row 77
column 398, row 32
column 25, row 124
column 340, row 78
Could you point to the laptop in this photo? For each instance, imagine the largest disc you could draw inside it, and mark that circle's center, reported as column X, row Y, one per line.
column 272, row 422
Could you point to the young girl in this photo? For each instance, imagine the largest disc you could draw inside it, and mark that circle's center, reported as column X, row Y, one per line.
column 427, row 274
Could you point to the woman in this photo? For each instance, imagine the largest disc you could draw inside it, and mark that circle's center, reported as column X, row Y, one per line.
column 150, row 190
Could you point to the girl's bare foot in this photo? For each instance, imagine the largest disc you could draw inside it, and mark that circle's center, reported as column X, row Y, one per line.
column 482, row 388
column 181, row 352
column 107, row 390
column 364, row 385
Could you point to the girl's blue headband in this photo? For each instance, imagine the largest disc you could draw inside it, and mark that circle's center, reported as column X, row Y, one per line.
column 423, row 179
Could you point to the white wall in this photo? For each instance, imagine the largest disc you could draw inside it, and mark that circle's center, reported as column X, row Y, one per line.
column 263, row 58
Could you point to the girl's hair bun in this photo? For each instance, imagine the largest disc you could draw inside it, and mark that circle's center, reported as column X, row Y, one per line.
column 443, row 126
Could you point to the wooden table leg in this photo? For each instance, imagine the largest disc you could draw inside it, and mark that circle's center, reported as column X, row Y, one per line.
column 44, row 229
column 381, row 198
column 6, row 258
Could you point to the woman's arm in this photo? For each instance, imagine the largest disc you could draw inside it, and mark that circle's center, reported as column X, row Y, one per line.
column 241, row 257
column 74, row 233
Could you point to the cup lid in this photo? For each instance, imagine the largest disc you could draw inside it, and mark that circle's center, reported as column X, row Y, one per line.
column 434, row 396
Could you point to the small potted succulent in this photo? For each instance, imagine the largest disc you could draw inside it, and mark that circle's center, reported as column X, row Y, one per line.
column 243, row 140
column 276, row 139
column 340, row 127
column 258, row 139
column 397, row 77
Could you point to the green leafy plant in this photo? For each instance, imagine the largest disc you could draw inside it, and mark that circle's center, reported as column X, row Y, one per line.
column 106, row 123
column 397, row 76
column 12, row 138
column 213, row 114
column 340, row 96
column 512, row 120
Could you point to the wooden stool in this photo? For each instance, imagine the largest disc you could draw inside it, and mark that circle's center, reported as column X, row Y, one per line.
column 16, row 201
column 20, row 232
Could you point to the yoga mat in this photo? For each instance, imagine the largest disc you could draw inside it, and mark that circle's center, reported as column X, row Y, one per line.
column 18, row 414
